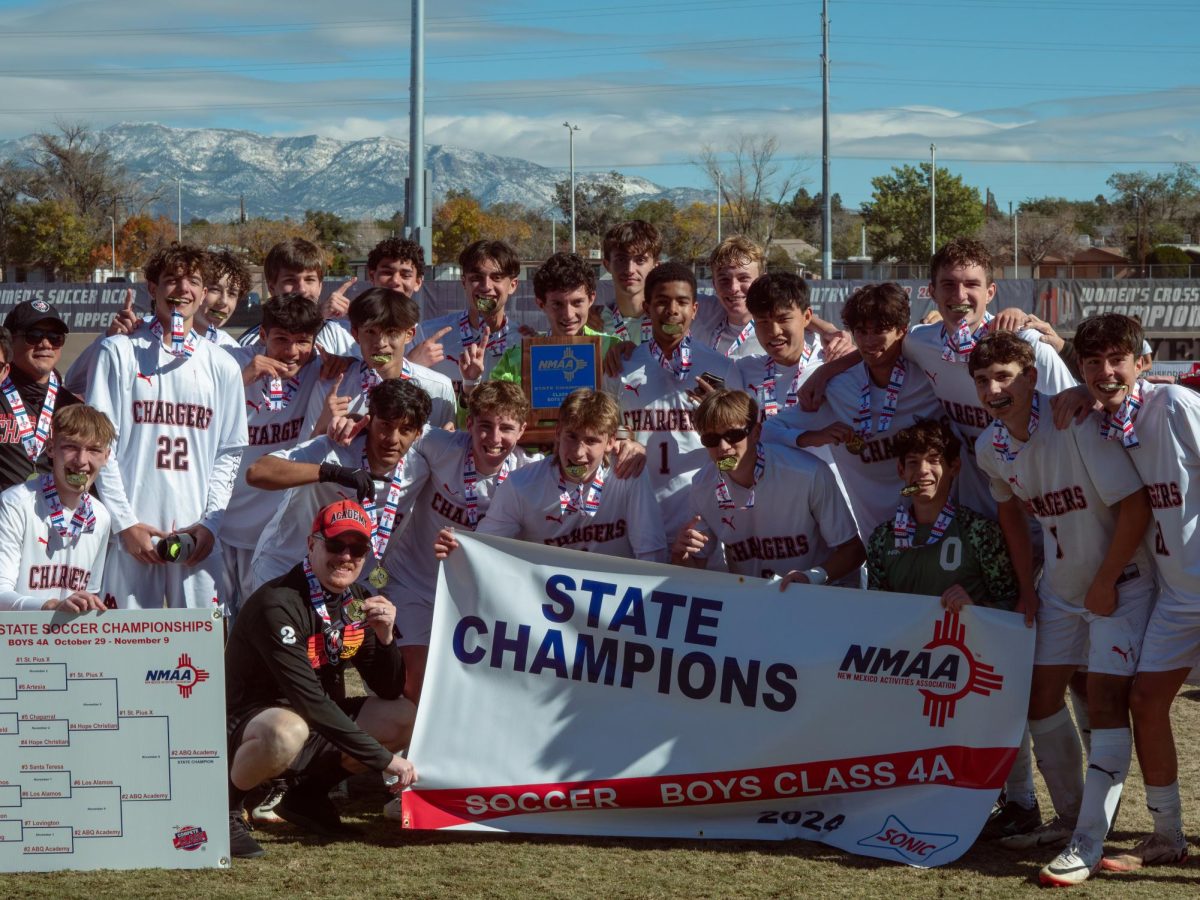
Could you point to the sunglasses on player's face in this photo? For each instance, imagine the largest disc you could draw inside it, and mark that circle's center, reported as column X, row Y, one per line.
column 734, row 436
column 36, row 336
column 336, row 546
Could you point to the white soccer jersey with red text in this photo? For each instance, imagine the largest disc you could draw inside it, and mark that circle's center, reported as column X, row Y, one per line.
column 713, row 329
column 36, row 563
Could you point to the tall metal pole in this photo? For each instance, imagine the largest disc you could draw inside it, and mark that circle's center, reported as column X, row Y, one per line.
column 1016, row 260
column 179, row 210
column 827, row 200
column 113, row 224
column 720, row 200
column 571, row 129
column 932, row 200
column 415, row 213
column 553, row 235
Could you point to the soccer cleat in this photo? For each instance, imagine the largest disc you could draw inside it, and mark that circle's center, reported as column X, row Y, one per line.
column 263, row 812
column 1154, row 850
column 313, row 811
column 1011, row 818
column 241, row 844
column 1049, row 834
column 1078, row 862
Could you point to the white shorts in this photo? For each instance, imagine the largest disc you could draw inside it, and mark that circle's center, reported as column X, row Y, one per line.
column 238, row 578
column 1069, row 635
column 1172, row 635
column 138, row 585
column 414, row 613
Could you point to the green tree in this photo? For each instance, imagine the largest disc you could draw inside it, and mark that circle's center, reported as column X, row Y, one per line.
column 50, row 235
column 599, row 204
column 334, row 234
column 459, row 221
column 1152, row 209
column 897, row 215
column 1169, row 262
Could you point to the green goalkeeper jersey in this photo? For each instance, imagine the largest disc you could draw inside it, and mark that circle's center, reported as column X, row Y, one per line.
column 972, row 553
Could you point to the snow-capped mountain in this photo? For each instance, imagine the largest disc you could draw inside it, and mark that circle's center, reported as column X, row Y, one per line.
column 285, row 176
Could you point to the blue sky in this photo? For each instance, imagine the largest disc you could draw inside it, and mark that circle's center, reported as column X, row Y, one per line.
column 1026, row 97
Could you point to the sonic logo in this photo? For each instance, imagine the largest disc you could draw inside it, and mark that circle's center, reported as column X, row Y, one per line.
column 911, row 846
column 184, row 676
column 944, row 671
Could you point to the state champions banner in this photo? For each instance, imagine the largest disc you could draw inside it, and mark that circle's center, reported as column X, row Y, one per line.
column 574, row 693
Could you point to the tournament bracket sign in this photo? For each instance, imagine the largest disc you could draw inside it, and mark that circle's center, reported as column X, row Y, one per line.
column 112, row 741
column 553, row 367
column 617, row 697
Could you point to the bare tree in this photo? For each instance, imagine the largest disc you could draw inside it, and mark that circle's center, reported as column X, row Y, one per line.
column 1040, row 237
column 753, row 183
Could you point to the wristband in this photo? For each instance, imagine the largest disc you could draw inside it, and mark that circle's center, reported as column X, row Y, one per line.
column 816, row 575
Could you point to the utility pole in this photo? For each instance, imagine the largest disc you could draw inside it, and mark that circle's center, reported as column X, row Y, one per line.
column 720, row 200
column 418, row 226
column 1016, row 261
column 179, row 209
column 932, row 200
column 571, row 129
column 113, row 223
column 826, row 197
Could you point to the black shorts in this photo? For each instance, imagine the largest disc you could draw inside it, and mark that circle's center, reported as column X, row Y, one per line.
column 235, row 729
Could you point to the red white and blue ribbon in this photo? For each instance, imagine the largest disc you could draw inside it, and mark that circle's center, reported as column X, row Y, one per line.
column 383, row 522
column 1002, row 440
column 470, row 477
column 33, row 437
column 742, row 336
column 958, row 348
column 278, row 395
column 725, row 498
column 680, row 363
column 864, row 422
column 904, row 526
column 497, row 340
column 84, row 519
column 333, row 633
column 770, row 405
column 1119, row 425
column 569, row 499
column 181, row 347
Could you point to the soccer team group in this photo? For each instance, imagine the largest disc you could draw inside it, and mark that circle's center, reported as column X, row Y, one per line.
column 308, row 480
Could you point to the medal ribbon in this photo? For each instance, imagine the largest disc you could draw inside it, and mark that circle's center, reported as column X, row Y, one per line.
column 469, row 479
column 725, row 498
column 34, row 438
column 383, row 523
column 747, row 330
column 683, row 353
column 333, row 633
column 1120, row 424
column 1001, row 440
column 958, row 348
column 863, row 425
column 568, row 499
column 180, row 347
column 770, row 405
column 497, row 341
column 210, row 335
column 277, row 395
column 83, row 520
column 904, row 526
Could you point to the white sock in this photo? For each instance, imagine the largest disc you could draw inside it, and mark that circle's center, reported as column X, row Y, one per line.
column 1018, row 788
column 1108, row 764
column 1082, row 719
column 1060, row 760
column 1167, row 810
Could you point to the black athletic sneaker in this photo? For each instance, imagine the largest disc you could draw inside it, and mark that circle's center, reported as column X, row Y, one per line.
column 1010, row 818
column 241, row 844
column 313, row 811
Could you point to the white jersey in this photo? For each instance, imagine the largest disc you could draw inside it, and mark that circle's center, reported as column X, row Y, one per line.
column 656, row 407
column 442, row 503
column 869, row 478
column 791, row 519
column 713, row 329
column 79, row 376
column 452, row 345
column 529, row 506
column 181, row 429
column 284, row 541
column 1168, row 460
column 443, row 412
column 1068, row 480
column 36, row 563
column 956, row 389
column 250, row 509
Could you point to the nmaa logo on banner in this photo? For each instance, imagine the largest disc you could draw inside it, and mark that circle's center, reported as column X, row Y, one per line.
column 944, row 671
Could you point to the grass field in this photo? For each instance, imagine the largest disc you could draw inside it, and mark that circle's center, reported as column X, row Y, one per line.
column 387, row 862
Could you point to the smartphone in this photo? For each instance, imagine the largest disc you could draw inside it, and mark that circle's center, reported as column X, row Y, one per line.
column 716, row 382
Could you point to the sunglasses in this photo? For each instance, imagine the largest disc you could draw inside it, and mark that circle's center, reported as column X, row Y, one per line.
column 336, row 546
column 35, row 337
column 735, row 436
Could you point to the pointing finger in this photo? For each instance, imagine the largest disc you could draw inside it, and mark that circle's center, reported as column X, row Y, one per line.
column 438, row 336
column 129, row 295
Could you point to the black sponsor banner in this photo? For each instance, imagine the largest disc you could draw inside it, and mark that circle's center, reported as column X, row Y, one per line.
column 1164, row 305
column 84, row 307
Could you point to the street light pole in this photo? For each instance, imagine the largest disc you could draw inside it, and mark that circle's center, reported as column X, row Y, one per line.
column 113, row 224
column 571, row 129
column 720, row 189
column 932, row 200
column 179, row 209
column 826, row 199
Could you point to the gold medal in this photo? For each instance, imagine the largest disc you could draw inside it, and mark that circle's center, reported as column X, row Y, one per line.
column 672, row 328
column 378, row 578
column 909, row 489
column 856, row 445
column 77, row 479
column 33, row 476
column 727, row 463
column 486, row 304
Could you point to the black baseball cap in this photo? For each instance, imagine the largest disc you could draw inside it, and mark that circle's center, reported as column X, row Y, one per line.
column 25, row 315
